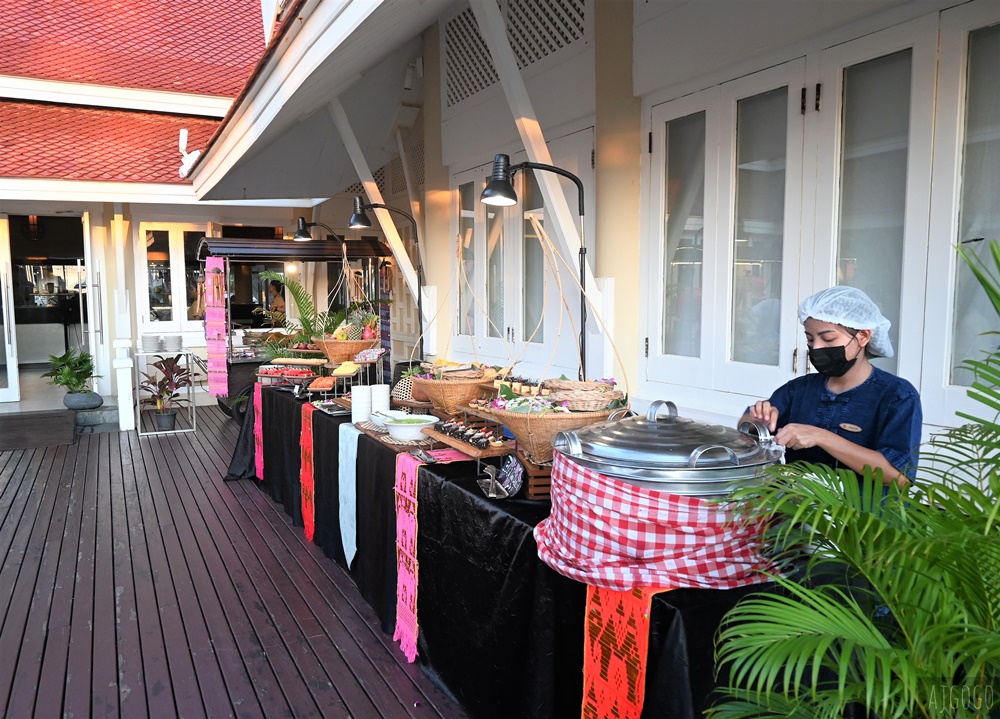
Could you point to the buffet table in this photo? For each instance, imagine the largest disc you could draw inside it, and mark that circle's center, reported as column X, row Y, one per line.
column 282, row 449
column 501, row 630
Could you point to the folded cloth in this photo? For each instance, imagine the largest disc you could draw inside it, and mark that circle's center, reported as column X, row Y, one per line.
column 348, row 495
column 611, row 534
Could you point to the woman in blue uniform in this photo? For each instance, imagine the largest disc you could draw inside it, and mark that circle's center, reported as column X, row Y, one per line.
column 850, row 413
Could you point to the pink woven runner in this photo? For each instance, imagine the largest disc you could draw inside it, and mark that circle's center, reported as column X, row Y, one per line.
column 258, row 433
column 407, row 572
column 215, row 326
column 307, row 479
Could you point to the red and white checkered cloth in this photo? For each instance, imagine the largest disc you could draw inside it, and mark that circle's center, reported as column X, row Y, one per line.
column 611, row 534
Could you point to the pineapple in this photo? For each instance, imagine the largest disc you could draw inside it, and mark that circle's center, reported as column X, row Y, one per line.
column 355, row 331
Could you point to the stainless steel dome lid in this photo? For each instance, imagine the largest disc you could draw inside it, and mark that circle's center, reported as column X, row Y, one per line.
column 664, row 447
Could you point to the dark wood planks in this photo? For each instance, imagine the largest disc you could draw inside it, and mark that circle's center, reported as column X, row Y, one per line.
column 138, row 584
column 43, row 428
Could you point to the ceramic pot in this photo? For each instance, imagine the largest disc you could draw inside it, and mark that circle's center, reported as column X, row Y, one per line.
column 83, row 400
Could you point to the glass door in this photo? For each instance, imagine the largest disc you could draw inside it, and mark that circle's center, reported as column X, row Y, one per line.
column 9, row 388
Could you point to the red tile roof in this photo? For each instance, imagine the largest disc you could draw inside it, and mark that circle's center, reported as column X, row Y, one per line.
column 78, row 143
column 206, row 47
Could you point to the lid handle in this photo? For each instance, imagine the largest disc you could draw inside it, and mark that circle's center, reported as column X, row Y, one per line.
column 621, row 413
column 568, row 443
column 759, row 428
column 698, row 451
column 654, row 409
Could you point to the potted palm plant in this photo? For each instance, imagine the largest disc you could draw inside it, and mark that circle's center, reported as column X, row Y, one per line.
column 163, row 387
column 73, row 370
column 893, row 609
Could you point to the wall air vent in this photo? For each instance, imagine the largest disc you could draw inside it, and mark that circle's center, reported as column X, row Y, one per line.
column 358, row 189
column 535, row 30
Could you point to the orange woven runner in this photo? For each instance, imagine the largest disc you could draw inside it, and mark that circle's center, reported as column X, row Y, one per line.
column 307, row 480
column 614, row 655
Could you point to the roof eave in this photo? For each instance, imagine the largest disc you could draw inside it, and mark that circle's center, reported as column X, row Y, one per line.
column 314, row 30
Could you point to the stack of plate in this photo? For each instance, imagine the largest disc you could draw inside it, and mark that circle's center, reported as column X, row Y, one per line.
column 151, row 343
column 172, row 343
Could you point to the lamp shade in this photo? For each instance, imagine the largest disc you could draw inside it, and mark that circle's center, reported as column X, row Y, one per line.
column 499, row 191
column 302, row 232
column 359, row 220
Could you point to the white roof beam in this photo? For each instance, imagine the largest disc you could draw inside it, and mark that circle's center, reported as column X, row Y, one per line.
column 494, row 32
column 371, row 189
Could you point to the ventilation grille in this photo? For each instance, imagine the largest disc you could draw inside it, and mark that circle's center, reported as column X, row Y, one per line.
column 398, row 176
column 535, row 29
column 417, row 163
column 358, row 189
column 469, row 66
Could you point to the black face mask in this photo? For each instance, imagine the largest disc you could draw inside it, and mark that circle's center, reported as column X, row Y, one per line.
column 832, row 361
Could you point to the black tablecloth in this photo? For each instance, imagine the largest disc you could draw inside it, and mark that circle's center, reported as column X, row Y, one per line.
column 282, row 430
column 242, row 465
column 504, row 632
column 374, row 569
column 326, row 473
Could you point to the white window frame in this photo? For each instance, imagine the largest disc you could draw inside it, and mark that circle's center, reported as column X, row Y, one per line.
column 712, row 385
column 942, row 399
column 179, row 322
column 537, row 359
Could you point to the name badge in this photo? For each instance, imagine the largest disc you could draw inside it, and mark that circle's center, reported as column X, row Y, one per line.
column 848, row 427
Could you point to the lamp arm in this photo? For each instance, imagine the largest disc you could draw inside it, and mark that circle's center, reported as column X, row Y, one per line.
column 325, row 227
column 551, row 168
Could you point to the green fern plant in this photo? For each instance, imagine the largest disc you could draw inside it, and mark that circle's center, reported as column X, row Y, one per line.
column 909, row 625
column 71, row 370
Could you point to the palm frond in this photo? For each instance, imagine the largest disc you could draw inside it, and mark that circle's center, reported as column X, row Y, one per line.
column 307, row 315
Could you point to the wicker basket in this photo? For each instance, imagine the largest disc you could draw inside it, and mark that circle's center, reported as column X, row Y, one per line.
column 343, row 350
column 586, row 400
column 570, row 385
column 448, row 394
column 534, row 432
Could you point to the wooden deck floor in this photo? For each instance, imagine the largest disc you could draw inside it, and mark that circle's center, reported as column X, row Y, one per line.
column 135, row 583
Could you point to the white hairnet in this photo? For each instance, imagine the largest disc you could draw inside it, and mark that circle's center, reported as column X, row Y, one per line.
column 850, row 307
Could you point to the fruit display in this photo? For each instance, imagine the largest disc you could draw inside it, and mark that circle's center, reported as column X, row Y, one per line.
column 305, row 346
column 323, row 384
column 298, row 372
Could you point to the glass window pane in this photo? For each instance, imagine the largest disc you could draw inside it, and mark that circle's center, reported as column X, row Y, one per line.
column 979, row 214
column 494, row 272
column 683, row 231
column 194, row 276
column 466, row 273
column 158, row 272
column 876, row 128
column 533, row 259
column 758, row 244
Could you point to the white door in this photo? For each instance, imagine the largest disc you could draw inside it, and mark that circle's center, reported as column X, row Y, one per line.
column 10, row 391
column 875, row 129
column 759, row 235
column 517, row 300
column 726, row 166
column 961, row 320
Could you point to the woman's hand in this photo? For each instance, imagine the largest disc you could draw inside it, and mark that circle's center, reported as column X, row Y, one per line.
column 802, row 436
column 764, row 412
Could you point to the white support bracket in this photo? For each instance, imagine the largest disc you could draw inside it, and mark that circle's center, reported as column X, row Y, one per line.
column 357, row 156
column 123, row 369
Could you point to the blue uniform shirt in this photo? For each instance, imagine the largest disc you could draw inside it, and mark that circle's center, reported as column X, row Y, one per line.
column 882, row 413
